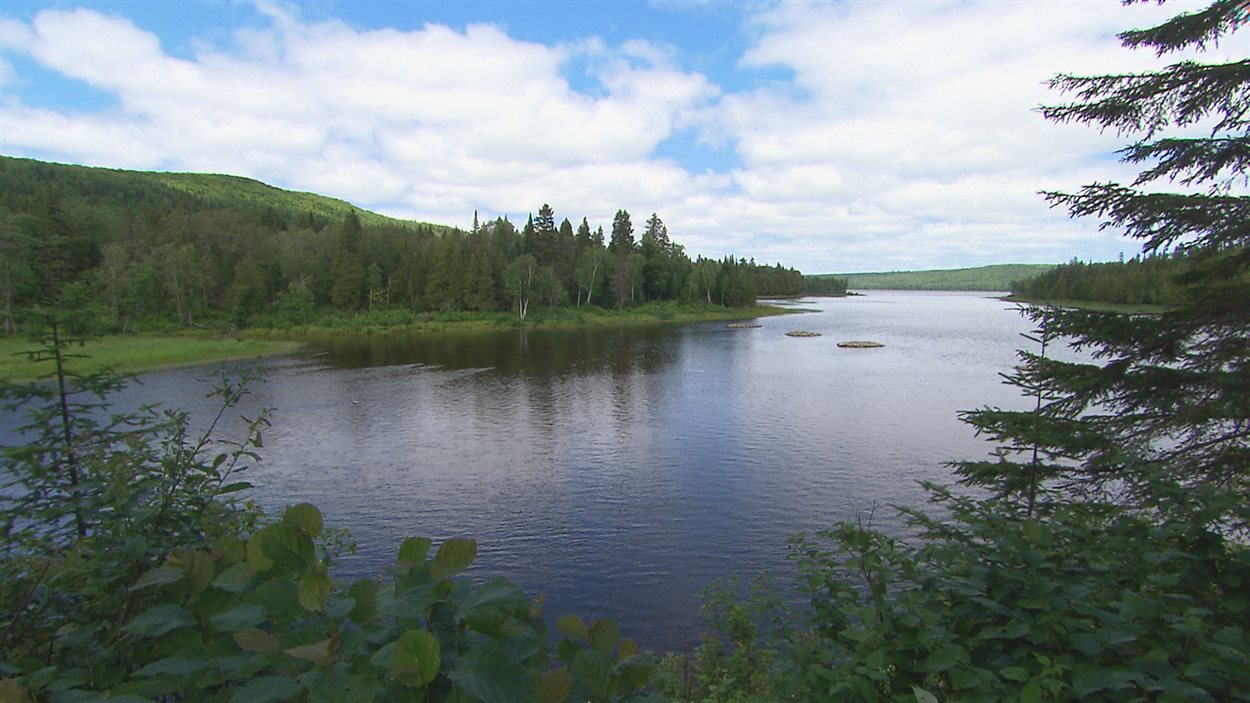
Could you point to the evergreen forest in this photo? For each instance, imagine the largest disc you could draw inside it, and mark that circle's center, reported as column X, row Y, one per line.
column 1148, row 280
column 153, row 251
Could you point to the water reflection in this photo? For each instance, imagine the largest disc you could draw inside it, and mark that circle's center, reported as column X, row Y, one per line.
column 618, row 471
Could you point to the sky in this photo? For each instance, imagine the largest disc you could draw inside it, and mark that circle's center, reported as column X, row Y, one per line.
column 829, row 136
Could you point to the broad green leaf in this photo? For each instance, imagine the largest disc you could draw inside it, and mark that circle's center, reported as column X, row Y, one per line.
column 314, row 589
column 318, row 653
column 923, row 696
column 229, row 549
column 255, row 640
column 415, row 659
column 175, row 666
column 489, row 605
column 198, row 567
column 256, row 557
column 572, row 627
column 453, row 556
column 236, row 579
column 240, row 617
column 603, row 635
column 487, row 675
column 234, row 487
column 637, row 669
column 943, row 659
column 13, row 692
column 1014, row 673
column 1085, row 643
column 266, row 689
column 555, row 686
column 306, row 516
column 413, row 551
column 627, row 649
column 159, row 620
column 592, row 670
column 365, row 594
column 157, row 577
column 287, row 546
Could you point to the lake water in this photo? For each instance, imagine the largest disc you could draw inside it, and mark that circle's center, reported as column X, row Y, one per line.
column 619, row 471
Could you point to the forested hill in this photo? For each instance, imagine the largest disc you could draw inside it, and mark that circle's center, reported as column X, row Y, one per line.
column 997, row 277
column 125, row 250
column 114, row 191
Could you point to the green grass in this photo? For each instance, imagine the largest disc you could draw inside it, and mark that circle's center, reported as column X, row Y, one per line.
column 133, row 354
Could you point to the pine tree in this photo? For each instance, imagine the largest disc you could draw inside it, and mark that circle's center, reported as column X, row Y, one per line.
column 1165, row 402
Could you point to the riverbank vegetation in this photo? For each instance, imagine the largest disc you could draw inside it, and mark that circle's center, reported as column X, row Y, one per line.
column 1150, row 281
column 1103, row 556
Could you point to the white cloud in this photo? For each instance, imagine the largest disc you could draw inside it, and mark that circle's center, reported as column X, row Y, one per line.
column 907, row 137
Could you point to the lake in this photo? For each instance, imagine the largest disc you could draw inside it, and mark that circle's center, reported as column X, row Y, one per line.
column 619, row 471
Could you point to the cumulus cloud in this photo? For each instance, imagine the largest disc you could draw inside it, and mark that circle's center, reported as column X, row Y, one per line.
column 906, row 136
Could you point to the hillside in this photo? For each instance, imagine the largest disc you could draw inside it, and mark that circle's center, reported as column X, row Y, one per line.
column 129, row 251
column 23, row 180
column 997, row 277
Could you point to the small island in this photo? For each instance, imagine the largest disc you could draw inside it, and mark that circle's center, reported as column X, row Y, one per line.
column 860, row 344
column 802, row 333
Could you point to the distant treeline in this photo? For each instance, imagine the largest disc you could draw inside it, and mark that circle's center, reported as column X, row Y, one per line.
column 1139, row 281
column 131, row 248
column 997, row 277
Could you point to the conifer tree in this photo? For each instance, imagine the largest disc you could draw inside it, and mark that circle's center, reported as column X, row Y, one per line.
column 1165, row 400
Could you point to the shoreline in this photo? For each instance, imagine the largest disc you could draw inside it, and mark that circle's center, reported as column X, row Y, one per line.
column 138, row 353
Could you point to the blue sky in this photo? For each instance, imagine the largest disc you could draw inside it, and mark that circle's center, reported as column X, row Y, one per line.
column 832, row 136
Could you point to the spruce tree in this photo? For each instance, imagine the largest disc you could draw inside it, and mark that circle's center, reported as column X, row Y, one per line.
column 1158, row 416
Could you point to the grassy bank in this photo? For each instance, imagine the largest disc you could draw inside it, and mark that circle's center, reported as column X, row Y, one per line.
column 136, row 353
column 131, row 353
column 1093, row 305
column 384, row 321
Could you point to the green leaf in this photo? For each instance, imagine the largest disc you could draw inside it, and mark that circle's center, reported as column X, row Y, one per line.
column 1014, row 673
column 159, row 620
column 256, row 557
column 944, row 659
column 236, row 579
column 413, row 551
column 240, row 617
column 266, row 689
column 318, row 653
column 923, row 696
column 306, row 517
column 314, row 590
column 234, row 487
column 453, row 556
column 637, row 670
column 254, row 639
column 489, row 605
column 174, row 666
column 365, row 595
column 488, row 675
column 159, row 576
column 198, row 567
column 572, row 627
column 592, row 670
column 555, row 686
column 415, row 658
column 1086, row 644
column 603, row 635
column 287, row 546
